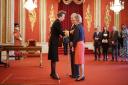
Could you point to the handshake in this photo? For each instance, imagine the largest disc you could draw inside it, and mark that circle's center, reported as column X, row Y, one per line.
column 66, row 32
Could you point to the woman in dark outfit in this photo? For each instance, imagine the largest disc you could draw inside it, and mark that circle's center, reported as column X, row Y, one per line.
column 78, row 43
column 56, row 31
column 105, row 43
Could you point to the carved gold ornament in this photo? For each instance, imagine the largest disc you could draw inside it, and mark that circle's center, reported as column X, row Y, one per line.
column 107, row 18
column 88, row 17
column 78, row 1
column 52, row 15
column 67, row 2
column 32, row 18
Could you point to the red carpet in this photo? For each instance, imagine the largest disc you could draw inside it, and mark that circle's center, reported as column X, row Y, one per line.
column 87, row 51
column 28, row 72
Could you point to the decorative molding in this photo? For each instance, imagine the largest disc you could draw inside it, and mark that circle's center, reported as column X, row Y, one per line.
column 67, row 2
column 78, row 1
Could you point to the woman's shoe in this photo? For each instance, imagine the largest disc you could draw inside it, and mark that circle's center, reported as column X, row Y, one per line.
column 54, row 76
column 80, row 79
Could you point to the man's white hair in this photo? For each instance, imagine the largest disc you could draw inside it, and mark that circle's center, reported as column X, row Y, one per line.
column 73, row 14
column 115, row 28
column 79, row 18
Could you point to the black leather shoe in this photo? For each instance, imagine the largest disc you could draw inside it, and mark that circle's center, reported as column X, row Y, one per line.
column 73, row 76
column 54, row 76
column 80, row 79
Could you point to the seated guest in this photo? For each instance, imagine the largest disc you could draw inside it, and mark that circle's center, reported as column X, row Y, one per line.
column 105, row 43
column 114, row 43
column 97, row 43
column 17, row 40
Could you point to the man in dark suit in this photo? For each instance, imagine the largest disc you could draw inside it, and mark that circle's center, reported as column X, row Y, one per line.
column 56, row 31
column 97, row 43
column 114, row 43
column 74, row 67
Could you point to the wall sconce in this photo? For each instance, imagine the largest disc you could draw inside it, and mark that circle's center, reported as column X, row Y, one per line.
column 30, row 5
column 116, row 6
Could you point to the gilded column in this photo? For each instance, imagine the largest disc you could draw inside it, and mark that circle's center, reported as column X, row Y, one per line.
column 97, row 15
column 116, row 20
column 44, row 44
column 0, row 21
column 9, row 21
column 3, row 23
column 22, row 20
column 43, row 20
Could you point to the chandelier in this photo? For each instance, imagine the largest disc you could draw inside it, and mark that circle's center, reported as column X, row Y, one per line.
column 116, row 6
column 30, row 5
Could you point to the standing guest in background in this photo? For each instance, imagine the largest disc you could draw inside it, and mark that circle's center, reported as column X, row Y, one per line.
column 56, row 31
column 114, row 43
column 65, row 44
column 17, row 40
column 97, row 43
column 78, row 42
column 121, row 52
column 125, row 42
column 74, row 67
column 105, row 43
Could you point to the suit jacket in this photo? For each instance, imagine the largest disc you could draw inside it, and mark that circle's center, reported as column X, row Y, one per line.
column 56, row 31
column 97, row 42
column 114, row 37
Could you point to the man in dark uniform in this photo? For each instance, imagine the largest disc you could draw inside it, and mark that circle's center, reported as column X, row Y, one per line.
column 56, row 31
column 97, row 43
column 74, row 67
column 114, row 43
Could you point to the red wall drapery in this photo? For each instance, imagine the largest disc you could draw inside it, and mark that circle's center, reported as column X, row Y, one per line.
column 71, row 8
